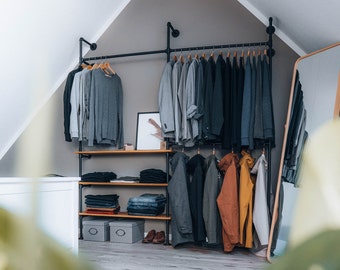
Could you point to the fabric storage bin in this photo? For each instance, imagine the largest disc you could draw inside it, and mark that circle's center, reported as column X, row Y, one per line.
column 96, row 230
column 126, row 231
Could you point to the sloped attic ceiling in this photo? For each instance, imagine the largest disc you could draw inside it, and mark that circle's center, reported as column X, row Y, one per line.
column 305, row 25
column 39, row 47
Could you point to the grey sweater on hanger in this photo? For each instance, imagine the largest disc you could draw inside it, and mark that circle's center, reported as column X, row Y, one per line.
column 106, row 110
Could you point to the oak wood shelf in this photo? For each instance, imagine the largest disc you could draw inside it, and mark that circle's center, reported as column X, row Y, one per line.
column 126, row 215
column 123, row 184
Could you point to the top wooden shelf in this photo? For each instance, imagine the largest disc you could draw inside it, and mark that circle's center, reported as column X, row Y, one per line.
column 115, row 152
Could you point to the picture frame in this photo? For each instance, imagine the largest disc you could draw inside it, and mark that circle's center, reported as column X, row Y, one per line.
column 148, row 132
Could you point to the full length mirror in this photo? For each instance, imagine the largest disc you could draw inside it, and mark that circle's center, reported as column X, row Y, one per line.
column 314, row 100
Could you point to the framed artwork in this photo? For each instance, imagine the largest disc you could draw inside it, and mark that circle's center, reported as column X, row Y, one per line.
column 149, row 131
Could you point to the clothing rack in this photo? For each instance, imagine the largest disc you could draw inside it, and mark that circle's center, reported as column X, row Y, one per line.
column 171, row 31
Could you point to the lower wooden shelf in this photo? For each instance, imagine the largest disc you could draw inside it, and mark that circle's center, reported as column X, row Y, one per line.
column 126, row 215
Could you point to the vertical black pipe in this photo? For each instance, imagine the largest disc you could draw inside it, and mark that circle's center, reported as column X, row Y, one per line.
column 270, row 31
column 80, row 51
column 168, row 50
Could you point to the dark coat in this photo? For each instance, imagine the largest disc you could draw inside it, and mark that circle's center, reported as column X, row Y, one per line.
column 195, row 169
column 181, row 224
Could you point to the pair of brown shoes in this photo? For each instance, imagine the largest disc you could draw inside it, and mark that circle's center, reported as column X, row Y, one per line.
column 154, row 237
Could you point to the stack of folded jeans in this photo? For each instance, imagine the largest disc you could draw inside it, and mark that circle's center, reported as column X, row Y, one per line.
column 146, row 205
column 102, row 203
column 152, row 176
column 98, row 177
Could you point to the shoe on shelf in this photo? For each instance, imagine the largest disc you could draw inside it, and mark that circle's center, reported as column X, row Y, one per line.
column 149, row 237
column 159, row 238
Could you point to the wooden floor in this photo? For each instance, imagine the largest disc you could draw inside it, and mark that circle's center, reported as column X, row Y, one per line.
column 138, row 256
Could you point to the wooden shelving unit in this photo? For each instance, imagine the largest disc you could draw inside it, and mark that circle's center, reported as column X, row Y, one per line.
column 87, row 153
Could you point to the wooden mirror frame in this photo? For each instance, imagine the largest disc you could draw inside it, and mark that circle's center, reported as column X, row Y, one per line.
column 286, row 127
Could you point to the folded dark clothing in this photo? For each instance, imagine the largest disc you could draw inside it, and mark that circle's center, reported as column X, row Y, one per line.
column 146, row 204
column 145, row 208
column 111, row 197
column 148, row 197
column 152, row 176
column 101, row 204
column 98, row 177
column 144, row 213
column 94, row 211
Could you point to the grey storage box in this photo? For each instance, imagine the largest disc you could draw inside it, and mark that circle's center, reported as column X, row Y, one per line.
column 126, row 230
column 96, row 229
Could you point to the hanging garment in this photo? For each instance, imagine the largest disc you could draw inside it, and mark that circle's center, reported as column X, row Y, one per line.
column 84, row 89
column 106, row 110
column 217, row 108
column 261, row 212
column 165, row 101
column 67, row 102
column 208, row 101
column 252, row 106
column 182, row 97
column 239, row 101
column 191, row 93
column 86, row 81
column 234, row 101
column 196, row 185
column 212, row 187
column 258, row 122
column 268, row 114
column 226, row 128
column 181, row 222
column 78, row 120
column 176, row 77
column 246, row 200
column 75, row 98
column 246, row 105
column 297, row 136
column 201, row 81
column 227, row 202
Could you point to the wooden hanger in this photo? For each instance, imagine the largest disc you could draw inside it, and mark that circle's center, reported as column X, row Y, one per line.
column 109, row 68
column 189, row 57
column 212, row 55
column 181, row 58
column 96, row 65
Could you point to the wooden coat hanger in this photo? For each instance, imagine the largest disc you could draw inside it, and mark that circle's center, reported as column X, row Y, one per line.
column 189, row 57
column 109, row 68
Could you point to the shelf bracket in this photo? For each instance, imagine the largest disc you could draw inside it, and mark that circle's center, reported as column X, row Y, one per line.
column 85, row 156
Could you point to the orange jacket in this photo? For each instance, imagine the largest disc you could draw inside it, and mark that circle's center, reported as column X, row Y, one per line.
column 227, row 201
column 246, row 200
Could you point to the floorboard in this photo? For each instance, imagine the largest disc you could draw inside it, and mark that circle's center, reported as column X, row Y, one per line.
column 139, row 256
